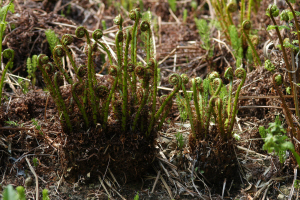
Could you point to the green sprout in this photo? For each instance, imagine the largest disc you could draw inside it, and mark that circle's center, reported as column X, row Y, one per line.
column 276, row 141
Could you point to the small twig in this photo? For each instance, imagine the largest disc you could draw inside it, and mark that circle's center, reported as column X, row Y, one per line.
column 174, row 16
column 36, row 179
column 219, row 41
column 250, row 151
column 157, row 177
column 192, row 177
column 112, row 175
column 293, row 185
column 108, row 194
column 164, row 182
column 277, row 107
column 45, row 114
column 224, row 185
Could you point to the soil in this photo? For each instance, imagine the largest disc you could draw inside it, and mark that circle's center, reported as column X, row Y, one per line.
column 35, row 148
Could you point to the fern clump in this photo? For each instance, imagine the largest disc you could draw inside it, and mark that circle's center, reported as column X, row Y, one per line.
column 121, row 107
column 212, row 119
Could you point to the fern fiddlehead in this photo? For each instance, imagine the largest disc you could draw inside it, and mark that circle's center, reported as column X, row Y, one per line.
column 58, row 54
column 246, row 26
column 8, row 54
column 66, row 40
column 145, row 26
column 272, row 12
column 231, row 8
column 97, row 35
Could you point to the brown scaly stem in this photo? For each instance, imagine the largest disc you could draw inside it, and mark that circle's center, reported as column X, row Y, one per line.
column 283, row 51
column 277, row 80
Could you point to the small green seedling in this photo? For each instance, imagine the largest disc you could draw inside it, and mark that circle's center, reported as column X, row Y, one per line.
column 35, row 162
column 180, row 140
column 136, row 197
column 276, row 141
column 12, row 123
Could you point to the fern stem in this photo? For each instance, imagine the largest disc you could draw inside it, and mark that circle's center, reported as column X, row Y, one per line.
column 154, row 90
column 125, row 91
column 107, row 52
column 136, row 17
column 61, row 69
column 199, row 117
column 81, row 108
column 188, row 108
column 144, row 100
column 220, row 117
column 62, row 103
column 242, row 12
column 169, row 98
column 249, row 9
column 162, row 120
column 90, row 85
column 240, row 73
column 287, row 111
column 108, row 101
column 211, row 101
column 252, row 47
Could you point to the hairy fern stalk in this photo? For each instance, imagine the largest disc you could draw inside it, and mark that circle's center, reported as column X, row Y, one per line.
column 127, row 95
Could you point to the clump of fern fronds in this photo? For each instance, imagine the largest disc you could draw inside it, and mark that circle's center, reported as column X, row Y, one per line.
column 131, row 89
column 214, row 102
